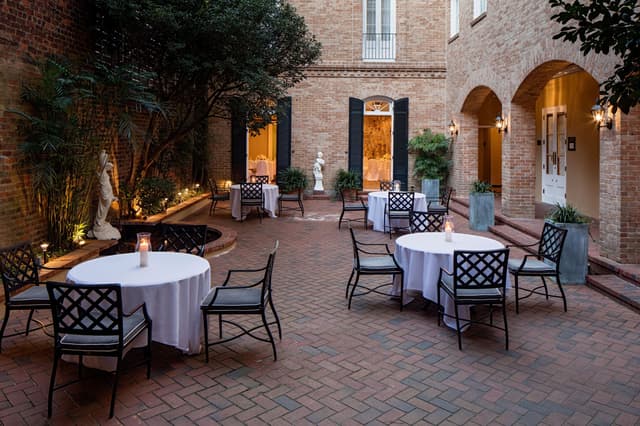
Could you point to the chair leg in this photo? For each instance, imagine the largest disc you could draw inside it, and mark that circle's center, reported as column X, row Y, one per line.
column 401, row 291
column 365, row 220
column 52, row 383
column 458, row 331
column 301, row 207
column 275, row 314
column 4, row 324
column 148, row 351
column 346, row 293
column 273, row 343
column 29, row 322
column 115, row 386
column 564, row 299
column 220, row 325
column 353, row 290
column 506, row 329
column 206, row 336
column 546, row 290
column 439, row 306
column 515, row 276
column 340, row 221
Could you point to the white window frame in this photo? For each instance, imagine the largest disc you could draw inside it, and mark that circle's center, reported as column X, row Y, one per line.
column 454, row 18
column 390, row 50
column 479, row 7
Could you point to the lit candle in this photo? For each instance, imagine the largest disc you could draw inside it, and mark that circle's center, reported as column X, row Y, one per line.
column 396, row 185
column 448, row 229
column 144, row 253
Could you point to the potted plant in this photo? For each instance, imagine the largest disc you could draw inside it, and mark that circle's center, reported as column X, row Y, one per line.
column 432, row 161
column 347, row 180
column 481, row 207
column 292, row 179
column 574, row 259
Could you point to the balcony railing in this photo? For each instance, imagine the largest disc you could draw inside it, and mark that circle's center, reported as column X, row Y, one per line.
column 378, row 46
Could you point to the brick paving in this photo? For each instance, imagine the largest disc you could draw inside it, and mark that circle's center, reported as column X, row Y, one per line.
column 370, row 365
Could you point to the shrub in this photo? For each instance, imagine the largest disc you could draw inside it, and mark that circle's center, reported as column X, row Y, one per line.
column 152, row 194
column 480, row 186
column 432, row 155
column 566, row 214
column 292, row 179
column 347, row 179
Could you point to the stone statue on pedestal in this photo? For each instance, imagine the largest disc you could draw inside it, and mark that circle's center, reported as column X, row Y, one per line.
column 103, row 230
column 317, row 172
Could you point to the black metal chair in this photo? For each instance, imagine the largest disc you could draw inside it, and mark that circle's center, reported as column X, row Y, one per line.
column 352, row 203
column 21, row 280
column 478, row 278
column 184, row 238
column 262, row 179
column 251, row 196
column 426, row 222
column 217, row 195
column 443, row 205
column 251, row 298
column 369, row 261
column 295, row 197
column 399, row 207
column 89, row 320
column 386, row 185
column 545, row 263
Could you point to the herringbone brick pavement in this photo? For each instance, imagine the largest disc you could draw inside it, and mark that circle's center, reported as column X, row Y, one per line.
column 369, row 365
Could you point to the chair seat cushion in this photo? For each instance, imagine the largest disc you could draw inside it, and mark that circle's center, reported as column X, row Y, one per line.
column 354, row 206
column 232, row 298
column 377, row 263
column 399, row 215
column 289, row 197
column 132, row 326
column 220, row 197
column 436, row 208
column 480, row 293
column 33, row 295
column 531, row 266
column 252, row 201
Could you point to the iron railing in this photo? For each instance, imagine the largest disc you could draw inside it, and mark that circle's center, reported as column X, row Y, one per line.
column 381, row 46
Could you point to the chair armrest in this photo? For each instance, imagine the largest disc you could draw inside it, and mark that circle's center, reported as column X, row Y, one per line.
column 524, row 260
column 247, row 272
column 143, row 305
column 386, row 246
column 523, row 245
column 55, row 268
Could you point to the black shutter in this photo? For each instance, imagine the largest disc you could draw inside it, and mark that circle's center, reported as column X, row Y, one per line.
column 356, row 112
column 283, row 138
column 401, row 141
column 238, row 148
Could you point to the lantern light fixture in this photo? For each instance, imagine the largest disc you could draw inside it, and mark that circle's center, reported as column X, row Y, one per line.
column 501, row 124
column 601, row 116
column 453, row 129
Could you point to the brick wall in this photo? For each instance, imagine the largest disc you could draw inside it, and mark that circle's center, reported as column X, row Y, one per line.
column 29, row 28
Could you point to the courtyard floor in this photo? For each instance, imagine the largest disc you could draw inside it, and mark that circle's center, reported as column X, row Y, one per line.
column 369, row 365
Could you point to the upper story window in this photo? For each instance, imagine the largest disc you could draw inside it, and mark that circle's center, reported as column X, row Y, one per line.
column 479, row 7
column 379, row 32
column 455, row 18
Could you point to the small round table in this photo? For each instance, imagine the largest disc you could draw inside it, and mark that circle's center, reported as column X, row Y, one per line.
column 269, row 192
column 377, row 202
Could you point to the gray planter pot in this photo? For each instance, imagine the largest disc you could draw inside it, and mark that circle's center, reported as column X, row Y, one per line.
column 574, row 260
column 481, row 215
column 431, row 189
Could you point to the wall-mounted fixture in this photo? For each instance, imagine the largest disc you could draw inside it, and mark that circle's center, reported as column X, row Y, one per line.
column 601, row 116
column 501, row 124
column 453, row 129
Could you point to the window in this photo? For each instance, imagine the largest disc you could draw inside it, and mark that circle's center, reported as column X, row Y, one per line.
column 479, row 7
column 379, row 38
column 455, row 18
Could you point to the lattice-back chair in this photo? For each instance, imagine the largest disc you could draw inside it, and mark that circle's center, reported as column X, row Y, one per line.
column 545, row 263
column 217, row 194
column 373, row 259
column 185, row 238
column 351, row 202
column 262, row 179
column 441, row 206
column 250, row 298
column 89, row 320
column 426, row 222
column 291, row 197
column 251, row 196
column 399, row 207
column 386, row 185
column 21, row 280
column 478, row 278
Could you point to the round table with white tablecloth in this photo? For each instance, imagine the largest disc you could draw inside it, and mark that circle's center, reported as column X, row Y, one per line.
column 270, row 193
column 172, row 286
column 421, row 255
column 377, row 202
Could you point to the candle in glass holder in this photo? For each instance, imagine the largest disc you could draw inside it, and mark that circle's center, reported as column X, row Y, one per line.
column 448, row 229
column 143, row 247
column 396, row 185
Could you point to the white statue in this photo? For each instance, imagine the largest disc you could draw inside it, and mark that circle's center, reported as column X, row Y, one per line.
column 317, row 172
column 103, row 230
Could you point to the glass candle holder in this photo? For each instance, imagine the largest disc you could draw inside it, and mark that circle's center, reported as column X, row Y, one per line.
column 448, row 228
column 143, row 247
column 396, row 185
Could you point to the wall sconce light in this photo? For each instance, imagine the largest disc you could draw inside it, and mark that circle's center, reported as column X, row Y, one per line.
column 453, row 129
column 501, row 124
column 601, row 116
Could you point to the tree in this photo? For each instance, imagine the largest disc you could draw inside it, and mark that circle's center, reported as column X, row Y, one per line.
column 209, row 58
column 603, row 26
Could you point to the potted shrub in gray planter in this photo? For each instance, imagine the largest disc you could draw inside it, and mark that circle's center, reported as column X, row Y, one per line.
column 432, row 161
column 574, row 259
column 481, row 209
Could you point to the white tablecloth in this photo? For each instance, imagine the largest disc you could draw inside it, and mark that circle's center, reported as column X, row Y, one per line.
column 270, row 192
column 172, row 286
column 421, row 256
column 377, row 202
